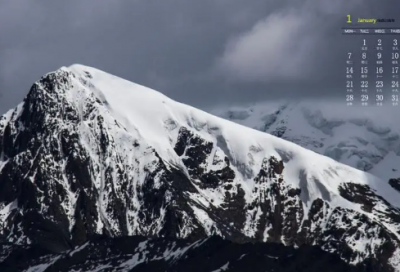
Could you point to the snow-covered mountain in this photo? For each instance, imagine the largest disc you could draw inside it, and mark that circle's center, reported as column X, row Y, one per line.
column 87, row 153
column 367, row 138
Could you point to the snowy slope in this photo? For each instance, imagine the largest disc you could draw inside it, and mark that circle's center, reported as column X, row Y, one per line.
column 367, row 138
column 88, row 153
column 157, row 118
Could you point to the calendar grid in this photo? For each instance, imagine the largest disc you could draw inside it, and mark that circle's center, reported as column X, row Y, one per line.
column 372, row 69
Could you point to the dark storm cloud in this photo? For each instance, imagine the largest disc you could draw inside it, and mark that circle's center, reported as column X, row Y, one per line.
column 299, row 51
column 197, row 52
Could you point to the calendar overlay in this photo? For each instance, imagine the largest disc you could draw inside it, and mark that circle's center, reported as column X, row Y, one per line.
column 372, row 71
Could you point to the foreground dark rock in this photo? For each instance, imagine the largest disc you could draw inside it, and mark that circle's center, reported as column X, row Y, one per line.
column 140, row 254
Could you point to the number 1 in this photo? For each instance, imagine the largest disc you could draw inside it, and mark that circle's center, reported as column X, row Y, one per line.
column 348, row 19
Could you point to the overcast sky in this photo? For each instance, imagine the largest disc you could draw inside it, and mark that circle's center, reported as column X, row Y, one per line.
column 202, row 53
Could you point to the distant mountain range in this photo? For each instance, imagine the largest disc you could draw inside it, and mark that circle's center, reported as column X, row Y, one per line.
column 367, row 138
column 87, row 154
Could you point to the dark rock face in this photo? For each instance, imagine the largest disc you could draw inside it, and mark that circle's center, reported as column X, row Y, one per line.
column 360, row 194
column 70, row 172
column 196, row 151
column 279, row 131
column 395, row 183
column 143, row 254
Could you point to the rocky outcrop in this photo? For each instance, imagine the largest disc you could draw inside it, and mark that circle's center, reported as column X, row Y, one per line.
column 395, row 183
